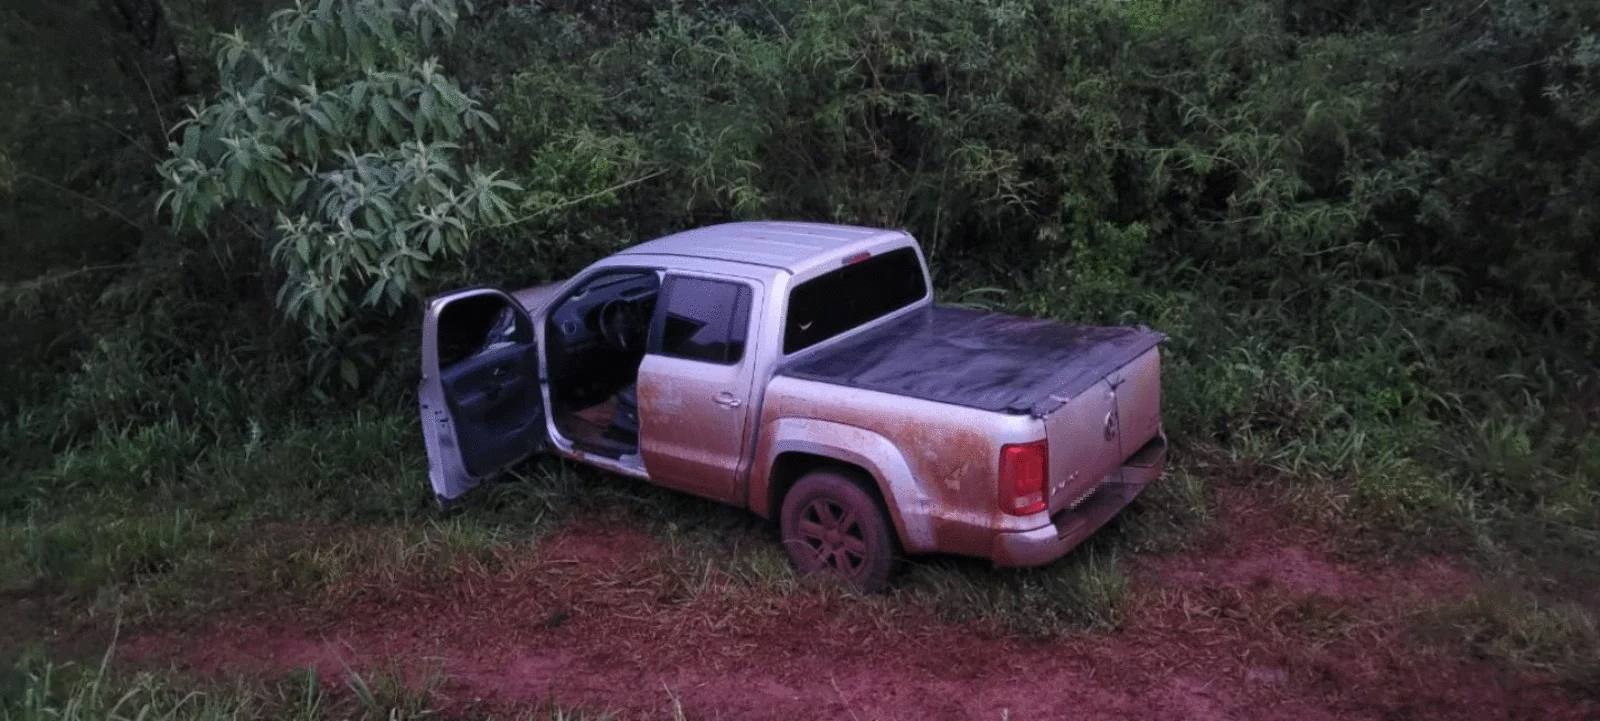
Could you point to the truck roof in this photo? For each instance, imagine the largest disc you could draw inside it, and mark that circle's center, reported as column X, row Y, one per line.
column 788, row 245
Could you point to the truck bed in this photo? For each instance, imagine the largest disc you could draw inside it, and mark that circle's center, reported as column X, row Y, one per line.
column 977, row 359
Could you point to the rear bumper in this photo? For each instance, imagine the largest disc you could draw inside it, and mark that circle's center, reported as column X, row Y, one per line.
column 1070, row 527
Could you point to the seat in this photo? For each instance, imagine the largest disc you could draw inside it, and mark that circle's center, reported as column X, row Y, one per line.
column 626, row 416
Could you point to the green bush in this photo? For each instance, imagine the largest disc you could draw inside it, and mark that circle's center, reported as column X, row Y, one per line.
column 332, row 139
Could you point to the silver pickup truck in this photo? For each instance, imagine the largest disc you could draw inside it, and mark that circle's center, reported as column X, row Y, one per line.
column 802, row 371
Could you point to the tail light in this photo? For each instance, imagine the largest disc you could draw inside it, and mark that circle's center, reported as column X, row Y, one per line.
column 1024, row 468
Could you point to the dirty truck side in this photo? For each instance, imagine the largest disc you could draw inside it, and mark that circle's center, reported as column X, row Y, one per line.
column 802, row 371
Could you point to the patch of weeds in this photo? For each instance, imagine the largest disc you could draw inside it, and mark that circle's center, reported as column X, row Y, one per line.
column 1167, row 515
column 763, row 566
column 564, row 714
column 365, row 466
column 696, row 534
column 677, row 704
column 1552, row 548
column 1399, row 491
column 38, row 690
column 299, row 696
column 1521, row 633
column 745, row 568
column 83, row 553
column 391, row 692
column 1086, row 590
column 35, row 689
column 1273, row 407
column 545, row 490
column 670, row 514
column 379, row 557
column 1523, row 484
column 1319, row 619
column 344, row 468
column 1322, row 505
column 1302, row 622
column 534, row 494
column 1517, row 455
column 126, row 461
column 739, row 545
column 679, row 576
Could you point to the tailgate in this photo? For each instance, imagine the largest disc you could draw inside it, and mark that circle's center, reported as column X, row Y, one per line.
column 1094, row 431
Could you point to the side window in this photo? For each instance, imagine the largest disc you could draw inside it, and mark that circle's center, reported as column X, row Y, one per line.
column 478, row 323
column 704, row 320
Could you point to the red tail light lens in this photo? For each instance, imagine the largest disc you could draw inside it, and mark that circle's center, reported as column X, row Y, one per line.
column 1024, row 468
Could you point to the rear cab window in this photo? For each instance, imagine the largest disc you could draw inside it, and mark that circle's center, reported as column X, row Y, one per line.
column 851, row 296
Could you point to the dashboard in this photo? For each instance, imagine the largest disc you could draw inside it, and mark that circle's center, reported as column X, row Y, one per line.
column 595, row 334
column 578, row 319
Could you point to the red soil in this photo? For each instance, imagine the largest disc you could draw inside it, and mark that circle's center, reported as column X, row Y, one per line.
column 1258, row 622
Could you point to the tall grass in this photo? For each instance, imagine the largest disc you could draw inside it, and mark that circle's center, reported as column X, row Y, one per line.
column 1559, row 639
column 32, row 689
column 81, row 553
column 1083, row 592
column 42, row 691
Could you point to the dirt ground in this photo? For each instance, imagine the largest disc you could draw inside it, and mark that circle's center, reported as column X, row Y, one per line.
column 1258, row 621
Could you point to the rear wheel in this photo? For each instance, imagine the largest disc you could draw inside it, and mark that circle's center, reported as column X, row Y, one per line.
column 832, row 527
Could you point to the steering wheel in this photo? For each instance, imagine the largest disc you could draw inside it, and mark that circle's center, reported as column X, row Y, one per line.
column 621, row 320
column 614, row 316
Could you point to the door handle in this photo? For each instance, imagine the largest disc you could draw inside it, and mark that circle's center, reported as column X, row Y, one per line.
column 727, row 400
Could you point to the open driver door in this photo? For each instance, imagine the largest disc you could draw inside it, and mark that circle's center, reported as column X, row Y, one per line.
column 480, row 399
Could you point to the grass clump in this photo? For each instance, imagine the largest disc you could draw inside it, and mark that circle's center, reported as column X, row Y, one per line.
column 32, row 689
column 40, row 691
column 334, row 565
column 81, row 553
column 337, row 467
column 392, row 693
column 1082, row 592
column 1518, row 631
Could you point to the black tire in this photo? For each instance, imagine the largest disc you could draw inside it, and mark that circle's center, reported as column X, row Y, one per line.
column 834, row 528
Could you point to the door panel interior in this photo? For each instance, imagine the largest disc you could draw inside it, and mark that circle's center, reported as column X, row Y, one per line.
column 494, row 402
column 490, row 382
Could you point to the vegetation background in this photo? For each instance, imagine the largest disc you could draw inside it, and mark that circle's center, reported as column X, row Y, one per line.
column 1369, row 228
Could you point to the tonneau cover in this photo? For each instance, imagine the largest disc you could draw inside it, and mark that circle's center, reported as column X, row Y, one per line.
column 978, row 359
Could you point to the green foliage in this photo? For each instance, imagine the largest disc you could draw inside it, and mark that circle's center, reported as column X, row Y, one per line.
column 83, row 556
column 67, row 693
column 37, row 690
column 902, row 113
column 333, row 468
column 1083, row 592
column 333, row 139
column 1521, row 633
column 390, row 694
column 1157, row 17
